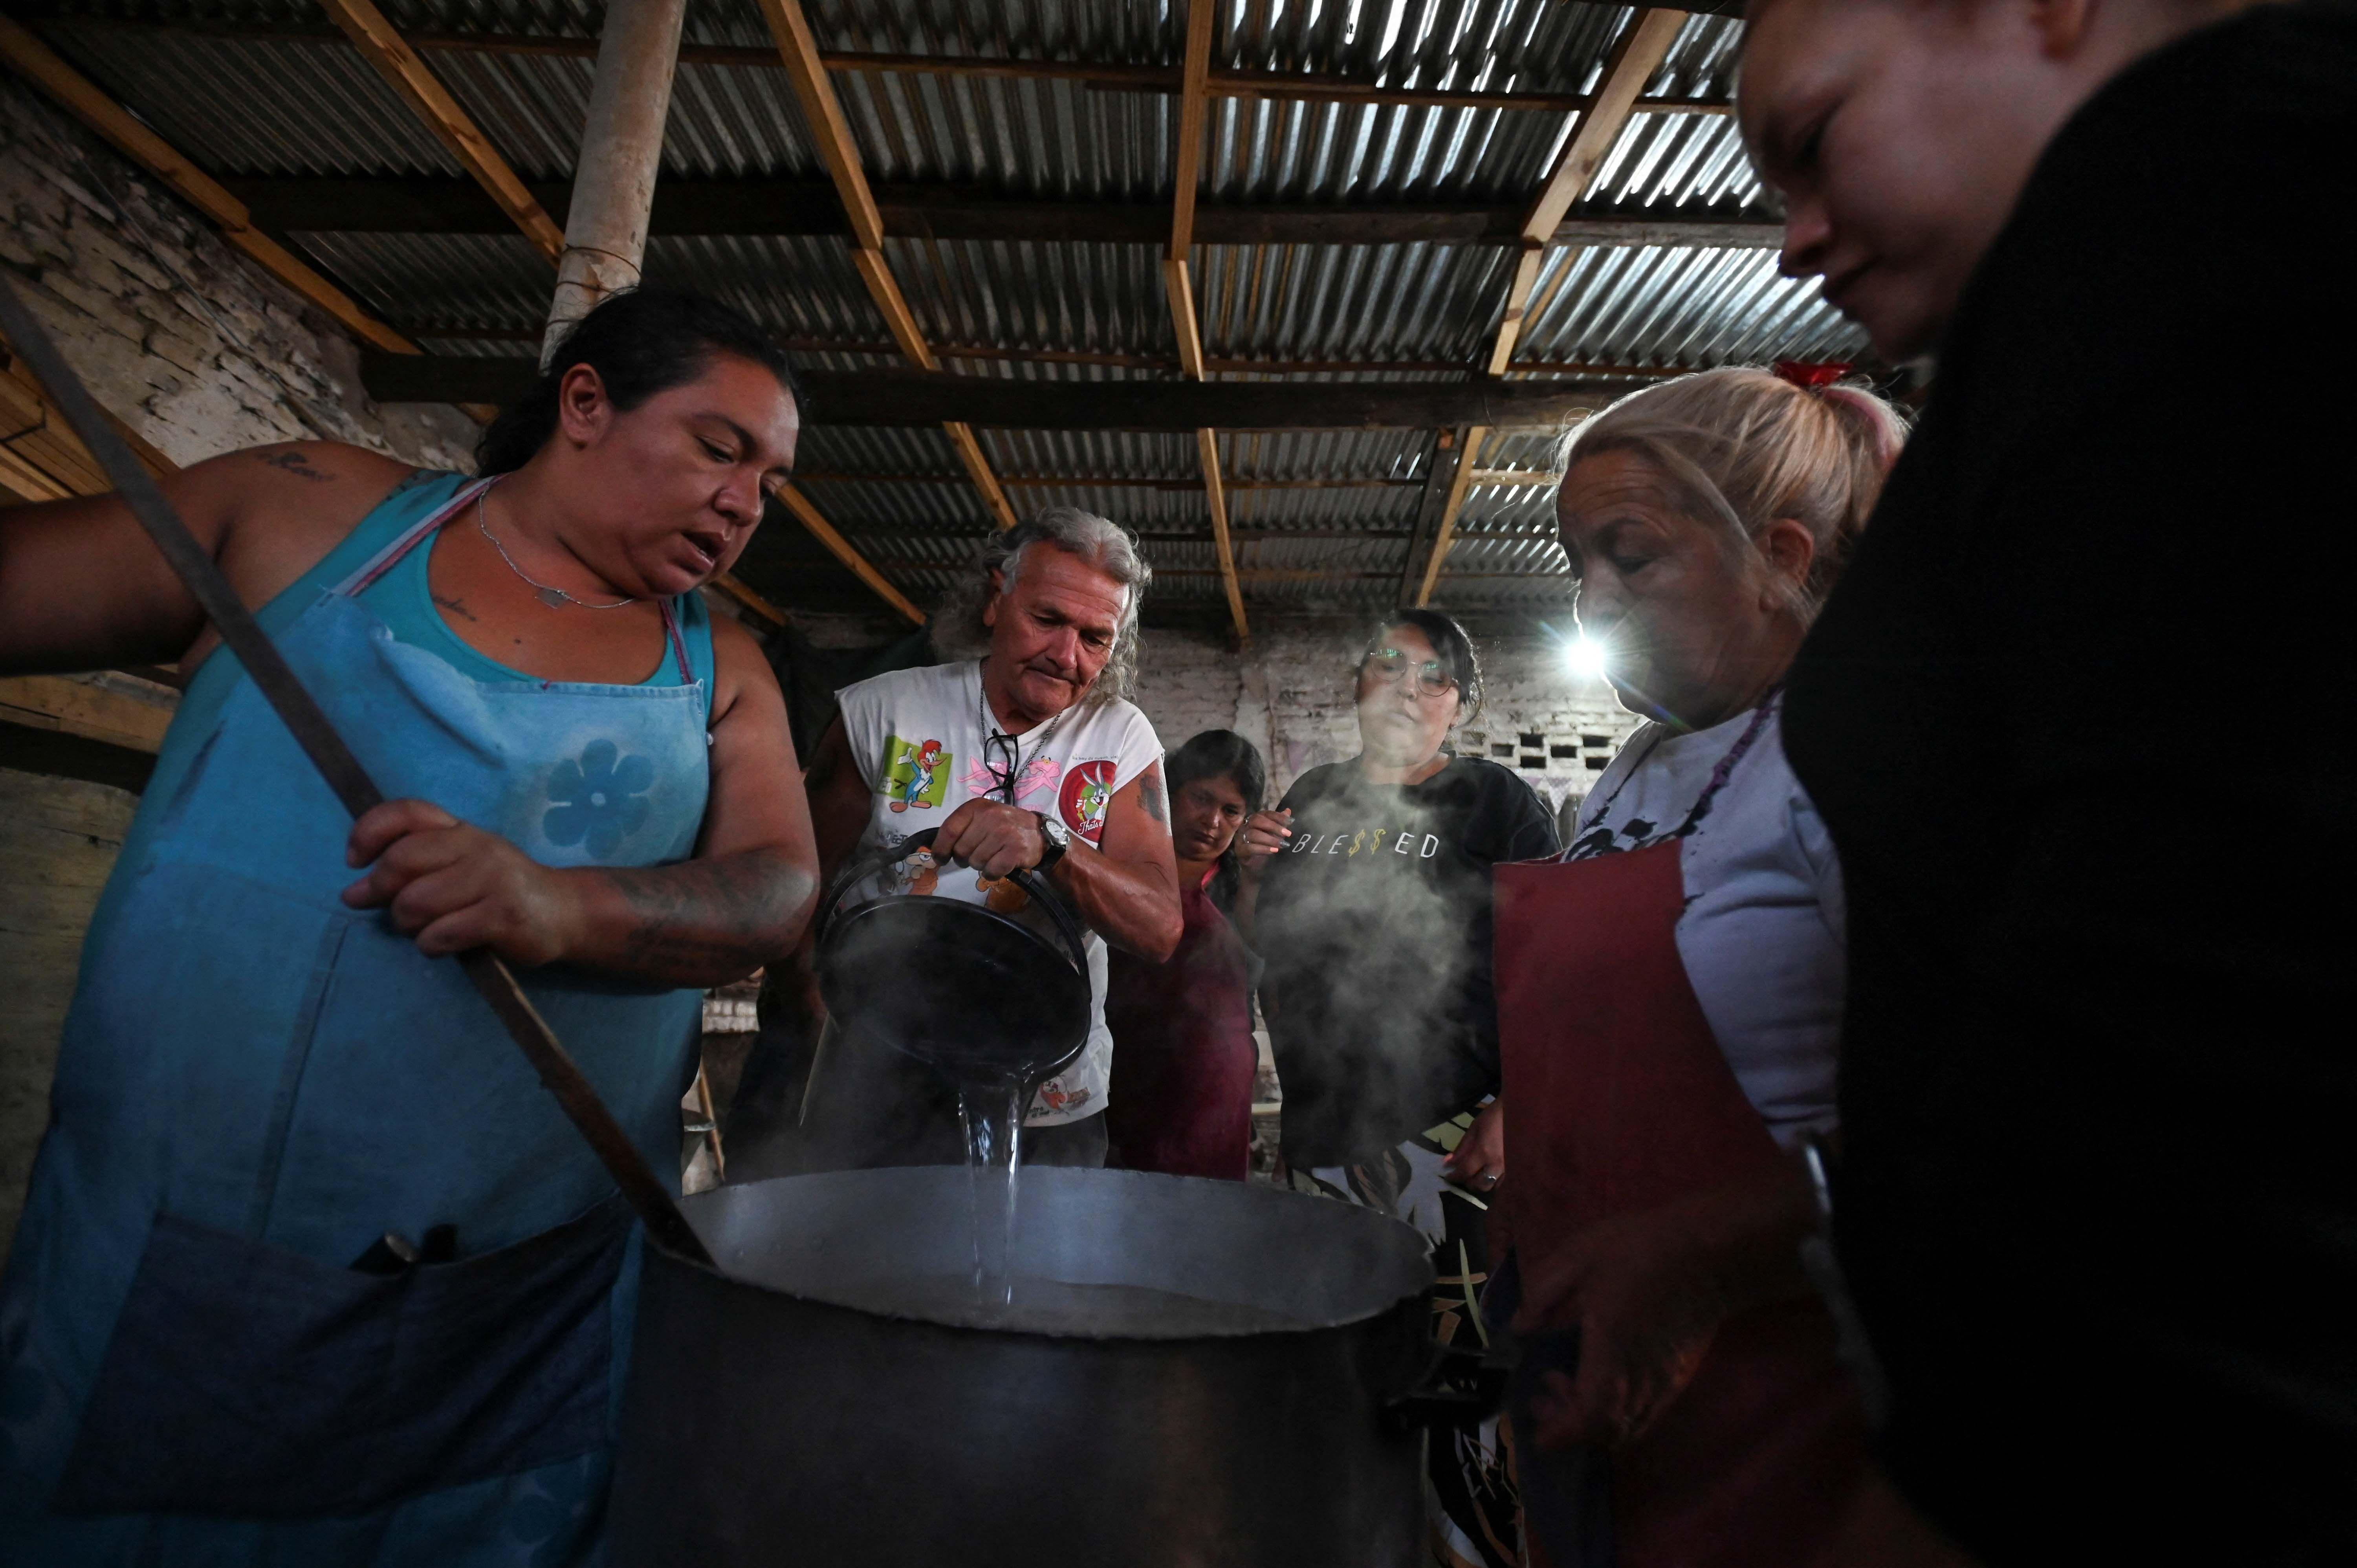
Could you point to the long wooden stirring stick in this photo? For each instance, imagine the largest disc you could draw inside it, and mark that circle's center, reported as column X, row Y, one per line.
column 309, row 725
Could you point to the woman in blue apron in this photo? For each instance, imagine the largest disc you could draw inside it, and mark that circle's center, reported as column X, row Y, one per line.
column 312, row 1271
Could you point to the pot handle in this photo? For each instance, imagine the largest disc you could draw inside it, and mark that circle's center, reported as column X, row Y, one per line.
column 1068, row 925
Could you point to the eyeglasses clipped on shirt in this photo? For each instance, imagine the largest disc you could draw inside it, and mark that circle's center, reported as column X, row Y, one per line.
column 1389, row 664
column 1003, row 775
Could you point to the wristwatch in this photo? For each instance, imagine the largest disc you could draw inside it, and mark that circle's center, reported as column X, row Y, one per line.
column 1058, row 837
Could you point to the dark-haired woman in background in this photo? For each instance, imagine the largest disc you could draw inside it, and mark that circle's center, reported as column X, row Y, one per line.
column 1183, row 1056
column 285, row 1140
column 1372, row 911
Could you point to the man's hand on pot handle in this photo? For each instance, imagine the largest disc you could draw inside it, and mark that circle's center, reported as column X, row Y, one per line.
column 991, row 837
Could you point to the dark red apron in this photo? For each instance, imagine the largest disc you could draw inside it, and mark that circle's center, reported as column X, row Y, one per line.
column 1619, row 1101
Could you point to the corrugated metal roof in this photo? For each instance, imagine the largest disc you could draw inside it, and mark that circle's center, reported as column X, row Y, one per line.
column 1690, row 306
column 1301, row 503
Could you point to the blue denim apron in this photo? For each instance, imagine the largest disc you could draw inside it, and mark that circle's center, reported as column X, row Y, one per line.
column 209, row 1354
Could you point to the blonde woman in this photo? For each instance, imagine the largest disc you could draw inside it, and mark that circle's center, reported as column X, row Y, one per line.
column 1670, row 991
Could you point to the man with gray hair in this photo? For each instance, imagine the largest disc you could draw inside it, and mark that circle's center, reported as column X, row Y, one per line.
column 1024, row 754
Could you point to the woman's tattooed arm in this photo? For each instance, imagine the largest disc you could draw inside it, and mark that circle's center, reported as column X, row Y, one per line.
column 704, row 922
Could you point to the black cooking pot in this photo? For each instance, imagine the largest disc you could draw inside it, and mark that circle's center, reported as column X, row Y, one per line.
column 826, row 1395
column 975, row 991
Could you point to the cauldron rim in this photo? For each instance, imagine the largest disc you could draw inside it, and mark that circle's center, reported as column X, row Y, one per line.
column 1413, row 1278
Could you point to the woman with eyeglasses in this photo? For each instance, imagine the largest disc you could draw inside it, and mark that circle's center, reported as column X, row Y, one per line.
column 1367, row 891
column 1367, row 894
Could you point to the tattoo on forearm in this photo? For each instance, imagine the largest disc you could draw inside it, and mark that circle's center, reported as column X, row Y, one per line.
column 456, row 606
column 1150, row 794
column 708, row 920
column 296, row 463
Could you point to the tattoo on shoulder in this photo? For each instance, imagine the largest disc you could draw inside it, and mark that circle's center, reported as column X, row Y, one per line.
column 456, row 606
column 296, row 463
column 415, row 478
column 1151, row 796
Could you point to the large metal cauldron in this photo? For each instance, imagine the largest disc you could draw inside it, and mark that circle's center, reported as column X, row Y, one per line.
column 768, row 1424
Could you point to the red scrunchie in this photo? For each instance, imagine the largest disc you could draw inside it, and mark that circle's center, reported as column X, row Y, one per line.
column 1808, row 377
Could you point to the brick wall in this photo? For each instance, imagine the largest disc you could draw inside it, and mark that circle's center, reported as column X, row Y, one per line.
column 178, row 335
column 1290, row 695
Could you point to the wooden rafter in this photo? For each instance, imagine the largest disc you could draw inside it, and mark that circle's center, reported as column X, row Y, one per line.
column 731, row 588
column 842, row 550
column 903, row 398
column 1641, row 48
column 1178, row 286
column 1468, row 448
column 81, row 97
column 1449, row 458
column 1186, row 173
column 1207, row 445
column 394, row 61
column 798, row 46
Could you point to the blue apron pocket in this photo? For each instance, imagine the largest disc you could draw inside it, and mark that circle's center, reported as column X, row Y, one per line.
column 244, row 1380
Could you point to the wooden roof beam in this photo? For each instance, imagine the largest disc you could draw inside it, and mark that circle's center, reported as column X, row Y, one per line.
column 394, row 61
column 441, row 205
column 842, row 550
column 1449, row 458
column 81, row 97
column 1186, row 174
column 1095, row 75
column 904, row 399
column 1207, row 445
column 1468, row 448
column 797, row 47
column 1639, row 52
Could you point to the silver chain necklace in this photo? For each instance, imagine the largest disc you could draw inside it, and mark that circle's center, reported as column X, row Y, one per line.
column 554, row 597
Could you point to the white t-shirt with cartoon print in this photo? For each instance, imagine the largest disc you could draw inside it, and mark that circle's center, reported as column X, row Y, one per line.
column 917, row 738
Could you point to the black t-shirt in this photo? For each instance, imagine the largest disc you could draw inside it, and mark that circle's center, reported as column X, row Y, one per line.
column 1374, row 924
column 2077, row 719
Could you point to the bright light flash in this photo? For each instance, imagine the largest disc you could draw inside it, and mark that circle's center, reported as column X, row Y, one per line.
column 1588, row 656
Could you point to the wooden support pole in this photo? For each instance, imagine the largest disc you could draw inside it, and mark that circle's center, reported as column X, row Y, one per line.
column 1207, row 446
column 394, row 61
column 1468, row 448
column 621, row 155
column 80, row 97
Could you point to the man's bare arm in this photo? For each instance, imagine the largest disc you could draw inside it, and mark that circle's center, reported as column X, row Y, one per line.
column 1127, row 891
